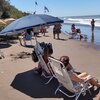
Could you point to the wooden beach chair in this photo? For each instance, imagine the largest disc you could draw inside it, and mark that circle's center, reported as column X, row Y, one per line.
column 64, row 80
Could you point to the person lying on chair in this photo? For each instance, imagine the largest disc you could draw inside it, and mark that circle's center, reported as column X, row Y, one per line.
column 82, row 77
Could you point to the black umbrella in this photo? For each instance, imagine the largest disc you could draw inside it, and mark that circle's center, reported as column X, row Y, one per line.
column 29, row 21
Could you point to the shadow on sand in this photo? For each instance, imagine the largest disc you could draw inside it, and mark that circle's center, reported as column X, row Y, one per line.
column 7, row 43
column 29, row 46
column 4, row 45
column 62, row 39
column 34, row 85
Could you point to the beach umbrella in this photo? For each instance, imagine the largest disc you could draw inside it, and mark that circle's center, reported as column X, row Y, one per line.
column 9, row 20
column 2, row 22
column 29, row 21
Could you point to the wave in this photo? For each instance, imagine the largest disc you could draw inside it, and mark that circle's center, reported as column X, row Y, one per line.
column 82, row 21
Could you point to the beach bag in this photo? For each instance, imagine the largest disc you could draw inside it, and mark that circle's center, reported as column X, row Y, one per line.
column 34, row 56
column 78, row 30
column 47, row 46
column 50, row 48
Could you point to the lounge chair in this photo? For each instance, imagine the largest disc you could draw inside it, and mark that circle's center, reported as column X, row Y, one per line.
column 77, row 35
column 28, row 37
column 61, row 74
column 39, row 53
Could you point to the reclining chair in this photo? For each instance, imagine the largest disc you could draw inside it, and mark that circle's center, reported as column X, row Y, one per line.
column 28, row 36
column 61, row 74
column 39, row 53
column 77, row 35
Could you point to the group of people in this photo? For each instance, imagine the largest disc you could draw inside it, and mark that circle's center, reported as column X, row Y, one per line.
column 25, row 35
column 43, row 30
column 77, row 32
column 28, row 33
column 56, row 30
column 75, row 76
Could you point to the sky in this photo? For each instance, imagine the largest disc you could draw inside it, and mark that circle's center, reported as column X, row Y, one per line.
column 59, row 8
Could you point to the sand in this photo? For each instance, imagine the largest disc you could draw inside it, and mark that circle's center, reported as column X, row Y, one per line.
column 14, row 81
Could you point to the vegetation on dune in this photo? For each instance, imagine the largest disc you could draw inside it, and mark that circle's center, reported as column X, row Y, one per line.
column 9, row 11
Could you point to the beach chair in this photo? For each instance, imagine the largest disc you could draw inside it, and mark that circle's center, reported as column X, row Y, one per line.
column 77, row 35
column 39, row 53
column 28, row 37
column 61, row 74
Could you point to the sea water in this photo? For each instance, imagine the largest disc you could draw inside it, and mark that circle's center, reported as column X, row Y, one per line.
column 84, row 24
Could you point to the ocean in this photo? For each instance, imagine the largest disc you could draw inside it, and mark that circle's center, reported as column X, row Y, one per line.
column 84, row 24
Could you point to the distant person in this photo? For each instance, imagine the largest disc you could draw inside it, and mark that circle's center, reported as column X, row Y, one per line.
column 76, row 31
column 57, row 30
column 36, row 30
column 21, row 37
column 28, row 35
column 92, row 25
column 43, row 30
column 54, row 31
column 73, row 28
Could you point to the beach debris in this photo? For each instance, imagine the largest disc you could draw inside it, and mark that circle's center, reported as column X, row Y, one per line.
column 21, row 55
column 1, row 72
column 1, row 55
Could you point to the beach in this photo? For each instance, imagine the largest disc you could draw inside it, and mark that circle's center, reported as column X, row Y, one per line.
column 14, row 81
column 84, row 24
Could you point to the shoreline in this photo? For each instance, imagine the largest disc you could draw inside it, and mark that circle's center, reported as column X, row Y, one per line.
column 83, row 58
column 89, row 44
column 85, row 30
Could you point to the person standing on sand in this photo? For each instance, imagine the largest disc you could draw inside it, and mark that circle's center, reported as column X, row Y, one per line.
column 57, row 30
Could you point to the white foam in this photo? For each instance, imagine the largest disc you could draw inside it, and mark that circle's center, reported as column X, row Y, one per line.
column 82, row 21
